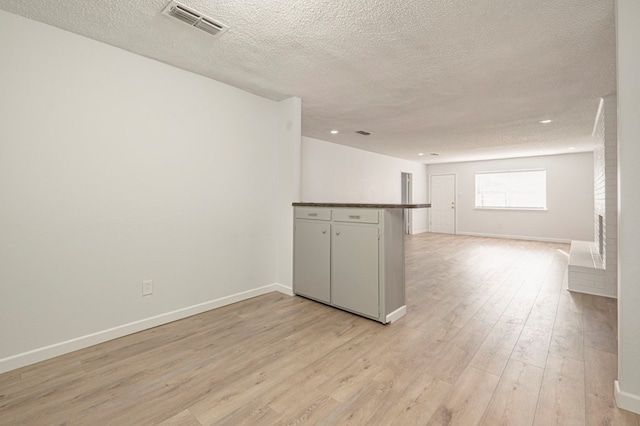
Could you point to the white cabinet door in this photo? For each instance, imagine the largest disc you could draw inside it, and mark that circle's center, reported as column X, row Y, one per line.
column 354, row 268
column 311, row 268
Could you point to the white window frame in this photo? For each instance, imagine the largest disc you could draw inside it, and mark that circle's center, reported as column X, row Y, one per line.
column 509, row 194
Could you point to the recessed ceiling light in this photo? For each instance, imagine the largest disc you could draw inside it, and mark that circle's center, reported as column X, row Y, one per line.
column 571, row 148
column 434, row 154
column 421, row 154
column 545, row 121
column 334, row 132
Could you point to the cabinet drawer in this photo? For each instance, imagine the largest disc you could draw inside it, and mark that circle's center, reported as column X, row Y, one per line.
column 355, row 215
column 314, row 213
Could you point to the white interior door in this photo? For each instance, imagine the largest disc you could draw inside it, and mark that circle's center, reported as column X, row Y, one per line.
column 443, row 204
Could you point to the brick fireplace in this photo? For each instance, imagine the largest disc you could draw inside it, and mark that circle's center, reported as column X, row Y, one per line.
column 593, row 265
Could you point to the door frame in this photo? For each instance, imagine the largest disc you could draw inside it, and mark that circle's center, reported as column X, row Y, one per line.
column 455, row 199
column 406, row 188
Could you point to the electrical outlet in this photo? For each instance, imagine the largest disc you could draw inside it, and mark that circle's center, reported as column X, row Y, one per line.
column 147, row 287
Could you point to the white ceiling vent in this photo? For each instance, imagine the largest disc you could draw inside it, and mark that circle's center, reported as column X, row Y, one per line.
column 194, row 18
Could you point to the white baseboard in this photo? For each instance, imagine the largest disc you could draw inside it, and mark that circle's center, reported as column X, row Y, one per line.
column 419, row 231
column 57, row 349
column 397, row 314
column 282, row 289
column 627, row 401
column 593, row 292
column 516, row 237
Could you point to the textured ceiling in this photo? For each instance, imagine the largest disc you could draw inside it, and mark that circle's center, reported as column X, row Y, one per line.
column 468, row 79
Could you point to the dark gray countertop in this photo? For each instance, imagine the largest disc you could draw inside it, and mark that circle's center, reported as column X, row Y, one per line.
column 363, row 205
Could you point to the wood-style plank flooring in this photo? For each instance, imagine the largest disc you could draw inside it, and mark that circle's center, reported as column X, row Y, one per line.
column 492, row 337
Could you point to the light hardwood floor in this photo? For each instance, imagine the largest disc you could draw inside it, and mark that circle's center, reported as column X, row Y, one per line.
column 491, row 337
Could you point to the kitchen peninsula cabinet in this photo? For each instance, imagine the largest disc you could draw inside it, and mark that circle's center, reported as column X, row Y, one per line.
column 351, row 257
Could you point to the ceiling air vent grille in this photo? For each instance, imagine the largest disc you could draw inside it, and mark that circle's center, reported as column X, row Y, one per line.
column 194, row 18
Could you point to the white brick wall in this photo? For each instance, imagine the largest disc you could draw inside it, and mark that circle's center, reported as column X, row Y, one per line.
column 611, row 192
column 599, row 178
column 602, row 277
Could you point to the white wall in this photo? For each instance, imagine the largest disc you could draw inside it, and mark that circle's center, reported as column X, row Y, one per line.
column 114, row 169
column 340, row 174
column 569, row 214
column 628, row 384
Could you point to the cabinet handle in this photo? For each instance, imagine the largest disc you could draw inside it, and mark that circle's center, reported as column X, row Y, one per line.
column 313, row 214
column 337, row 232
column 354, row 217
column 324, row 232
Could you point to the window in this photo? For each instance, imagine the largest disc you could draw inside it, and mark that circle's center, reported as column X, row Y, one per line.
column 523, row 189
